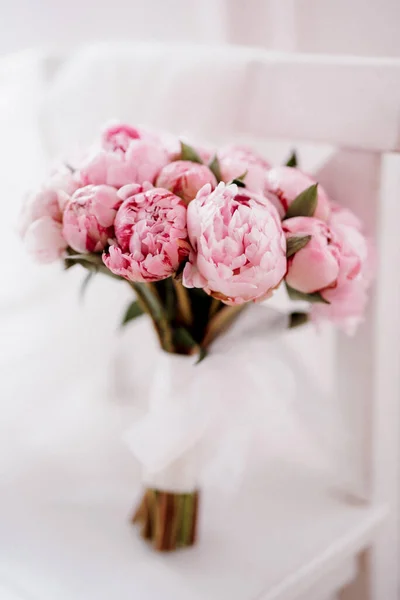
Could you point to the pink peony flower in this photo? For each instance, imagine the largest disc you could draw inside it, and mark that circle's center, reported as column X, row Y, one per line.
column 151, row 234
column 347, row 306
column 316, row 265
column 349, row 298
column 127, row 155
column 40, row 222
column 89, row 217
column 49, row 201
column 44, row 240
column 118, row 136
column 284, row 184
column 333, row 263
column 236, row 160
column 184, row 179
column 45, row 203
column 341, row 215
column 239, row 246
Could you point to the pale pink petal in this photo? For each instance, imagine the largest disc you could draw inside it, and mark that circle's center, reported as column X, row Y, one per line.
column 44, row 240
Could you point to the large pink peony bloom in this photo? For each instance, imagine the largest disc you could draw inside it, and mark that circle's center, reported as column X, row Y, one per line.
column 333, row 263
column 235, row 160
column 283, row 184
column 185, row 178
column 151, row 234
column 40, row 222
column 239, row 246
column 127, row 155
column 89, row 217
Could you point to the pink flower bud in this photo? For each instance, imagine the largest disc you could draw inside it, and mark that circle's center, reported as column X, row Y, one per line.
column 118, row 136
column 44, row 240
column 40, row 222
column 316, row 265
column 89, row 218
column 127, row 155
column 237, row 160
column 335, row 263
column 184, row 178
column 284, row 184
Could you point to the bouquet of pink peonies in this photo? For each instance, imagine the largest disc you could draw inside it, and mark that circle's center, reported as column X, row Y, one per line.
column 199, row 236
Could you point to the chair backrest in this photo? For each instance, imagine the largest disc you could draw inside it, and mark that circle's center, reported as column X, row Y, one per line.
column 227, row 90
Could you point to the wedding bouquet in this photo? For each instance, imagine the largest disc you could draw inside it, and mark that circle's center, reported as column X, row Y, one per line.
column 199, row 235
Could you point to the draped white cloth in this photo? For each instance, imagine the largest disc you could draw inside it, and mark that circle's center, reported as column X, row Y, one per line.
column 248, row 400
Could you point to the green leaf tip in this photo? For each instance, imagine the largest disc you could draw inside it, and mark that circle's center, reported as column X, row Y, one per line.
column 305, row 204
column 133, row 311
column 297, row 319
column 215, row 168
column 189, row 153
column 313, row 298
column 296, row 243
column 292, row 160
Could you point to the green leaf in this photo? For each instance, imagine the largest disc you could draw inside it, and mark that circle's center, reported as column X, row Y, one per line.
column 94, row 259
column 183, row 338
column 215, row 168
column 296, row 243
column 313, row 298
column 304, row 204
column 133, row 311
column 170, row 300
column 292, row 160
column 189, row 153
column 202, row 354
column 241, row 177
column 178, row 273
column 297, row 319
column 85, row 283
column 238, row 182
column 147, row 295
column 89, row 261
column 68, row 264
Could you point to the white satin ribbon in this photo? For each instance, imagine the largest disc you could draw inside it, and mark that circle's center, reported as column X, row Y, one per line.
column 202, row 418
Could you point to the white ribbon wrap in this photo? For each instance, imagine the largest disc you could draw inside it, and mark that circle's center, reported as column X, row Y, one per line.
column 203, row 419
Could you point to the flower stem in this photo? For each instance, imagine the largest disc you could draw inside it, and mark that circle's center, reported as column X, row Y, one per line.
column 150, row 301
column 168, row 520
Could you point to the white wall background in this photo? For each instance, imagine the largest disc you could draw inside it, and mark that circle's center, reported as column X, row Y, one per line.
column 364, row 27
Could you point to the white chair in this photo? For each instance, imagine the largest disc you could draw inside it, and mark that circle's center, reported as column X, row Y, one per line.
column 310, row 543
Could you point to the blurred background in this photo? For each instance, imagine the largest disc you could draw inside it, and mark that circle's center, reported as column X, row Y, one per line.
column 359, row 27
column 57, row 433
